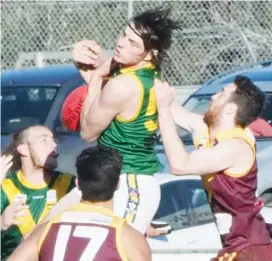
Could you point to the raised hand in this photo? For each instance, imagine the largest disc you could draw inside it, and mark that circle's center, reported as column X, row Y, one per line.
column 164, row 94
column 88, row 52
column 12, row 211
column 105, row 68
column 6, row 163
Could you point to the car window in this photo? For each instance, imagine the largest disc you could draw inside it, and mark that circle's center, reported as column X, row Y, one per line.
column 267, row 113
column 25, row 106
column 198, row 104
column 184, row 204
column 200, row 206
column 173, row 207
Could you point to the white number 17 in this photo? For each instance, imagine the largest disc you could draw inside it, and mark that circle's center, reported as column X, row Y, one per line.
column 97, row 236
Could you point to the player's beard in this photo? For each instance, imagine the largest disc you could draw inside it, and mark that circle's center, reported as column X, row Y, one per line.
column 50, row 163
column 211, row 117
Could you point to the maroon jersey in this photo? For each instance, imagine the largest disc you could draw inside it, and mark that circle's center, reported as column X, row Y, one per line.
column 83, row 233
column 233, row 200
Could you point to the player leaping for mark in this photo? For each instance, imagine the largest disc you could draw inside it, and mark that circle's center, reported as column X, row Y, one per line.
column 123, row 114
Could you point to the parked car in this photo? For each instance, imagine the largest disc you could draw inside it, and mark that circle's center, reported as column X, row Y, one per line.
column 184, row 207
column 35, row 96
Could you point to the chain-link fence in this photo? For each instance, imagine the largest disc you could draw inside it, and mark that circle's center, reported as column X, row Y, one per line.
column 215, row 36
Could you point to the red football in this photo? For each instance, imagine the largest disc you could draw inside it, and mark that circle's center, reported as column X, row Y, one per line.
column 71, row 108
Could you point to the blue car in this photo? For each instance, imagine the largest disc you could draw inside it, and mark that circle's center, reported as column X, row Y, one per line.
column 35, row 96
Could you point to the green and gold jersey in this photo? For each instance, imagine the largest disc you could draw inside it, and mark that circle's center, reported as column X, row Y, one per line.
column 134, row 138
column 39, row 199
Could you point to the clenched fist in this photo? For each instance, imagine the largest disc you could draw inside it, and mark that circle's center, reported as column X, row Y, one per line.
column 14, row 210
column 88, row 53
column 164, row 94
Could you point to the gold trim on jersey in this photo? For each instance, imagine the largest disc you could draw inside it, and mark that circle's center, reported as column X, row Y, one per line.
column 116, row 222
column 228, row 257
column 151, row 125
column 61, row 185
column 237, row 132
column 203, row 141
column 27, row 184
column 45, row 232
column 136, row 114
column 119, row 244
column 137, row 67
column 11, row 192
column 88, row 207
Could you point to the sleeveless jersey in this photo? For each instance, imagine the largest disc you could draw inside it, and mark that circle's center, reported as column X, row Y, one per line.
column 234, row 202
column 39, row 198
column 204, row 142
column 135, row 138
column 84, row 232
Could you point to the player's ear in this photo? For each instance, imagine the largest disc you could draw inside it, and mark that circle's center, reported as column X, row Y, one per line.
column 23, row 150
column 151, row 55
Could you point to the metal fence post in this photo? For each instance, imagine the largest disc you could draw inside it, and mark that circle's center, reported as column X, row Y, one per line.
column 216, row 35
column 130, row 9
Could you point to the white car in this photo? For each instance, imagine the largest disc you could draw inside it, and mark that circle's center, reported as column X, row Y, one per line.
column 185, row 208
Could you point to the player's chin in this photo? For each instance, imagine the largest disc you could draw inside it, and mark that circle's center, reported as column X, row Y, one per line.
column 117, row 59
column 51, row 164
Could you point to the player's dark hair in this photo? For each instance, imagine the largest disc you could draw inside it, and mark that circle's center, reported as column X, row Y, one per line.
column 250, row 101
column 155, row 27
column 98, row 170
column 17, row 138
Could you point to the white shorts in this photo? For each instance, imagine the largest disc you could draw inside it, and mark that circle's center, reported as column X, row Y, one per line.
column 137, row 199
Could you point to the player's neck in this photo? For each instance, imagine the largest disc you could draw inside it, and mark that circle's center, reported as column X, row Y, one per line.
column 34, row 175
column 105, row 204
column 138, row 65
column 215, row 129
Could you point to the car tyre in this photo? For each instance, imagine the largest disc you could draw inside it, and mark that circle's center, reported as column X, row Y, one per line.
column 267, row 197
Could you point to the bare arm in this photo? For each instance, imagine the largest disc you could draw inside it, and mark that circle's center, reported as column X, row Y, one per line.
column 100, row 107
column 6, row 163
column 225, row 155
column 192, row 122
column 69, row 200
column 28, row 249
column 135, row 245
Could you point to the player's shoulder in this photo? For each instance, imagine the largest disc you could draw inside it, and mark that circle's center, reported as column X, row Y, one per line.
column 123, row 80
column 129, row 232
column 62, row 178
column 8, row 180
column 135, row 243
column 56, row 173
column 122, row 87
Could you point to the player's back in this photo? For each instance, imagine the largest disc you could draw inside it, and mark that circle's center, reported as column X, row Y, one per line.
column 84, row 232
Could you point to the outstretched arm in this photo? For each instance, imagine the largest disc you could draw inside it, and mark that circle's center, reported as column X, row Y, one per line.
column 101, row 106
column 223, row 156
column 192, row 122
